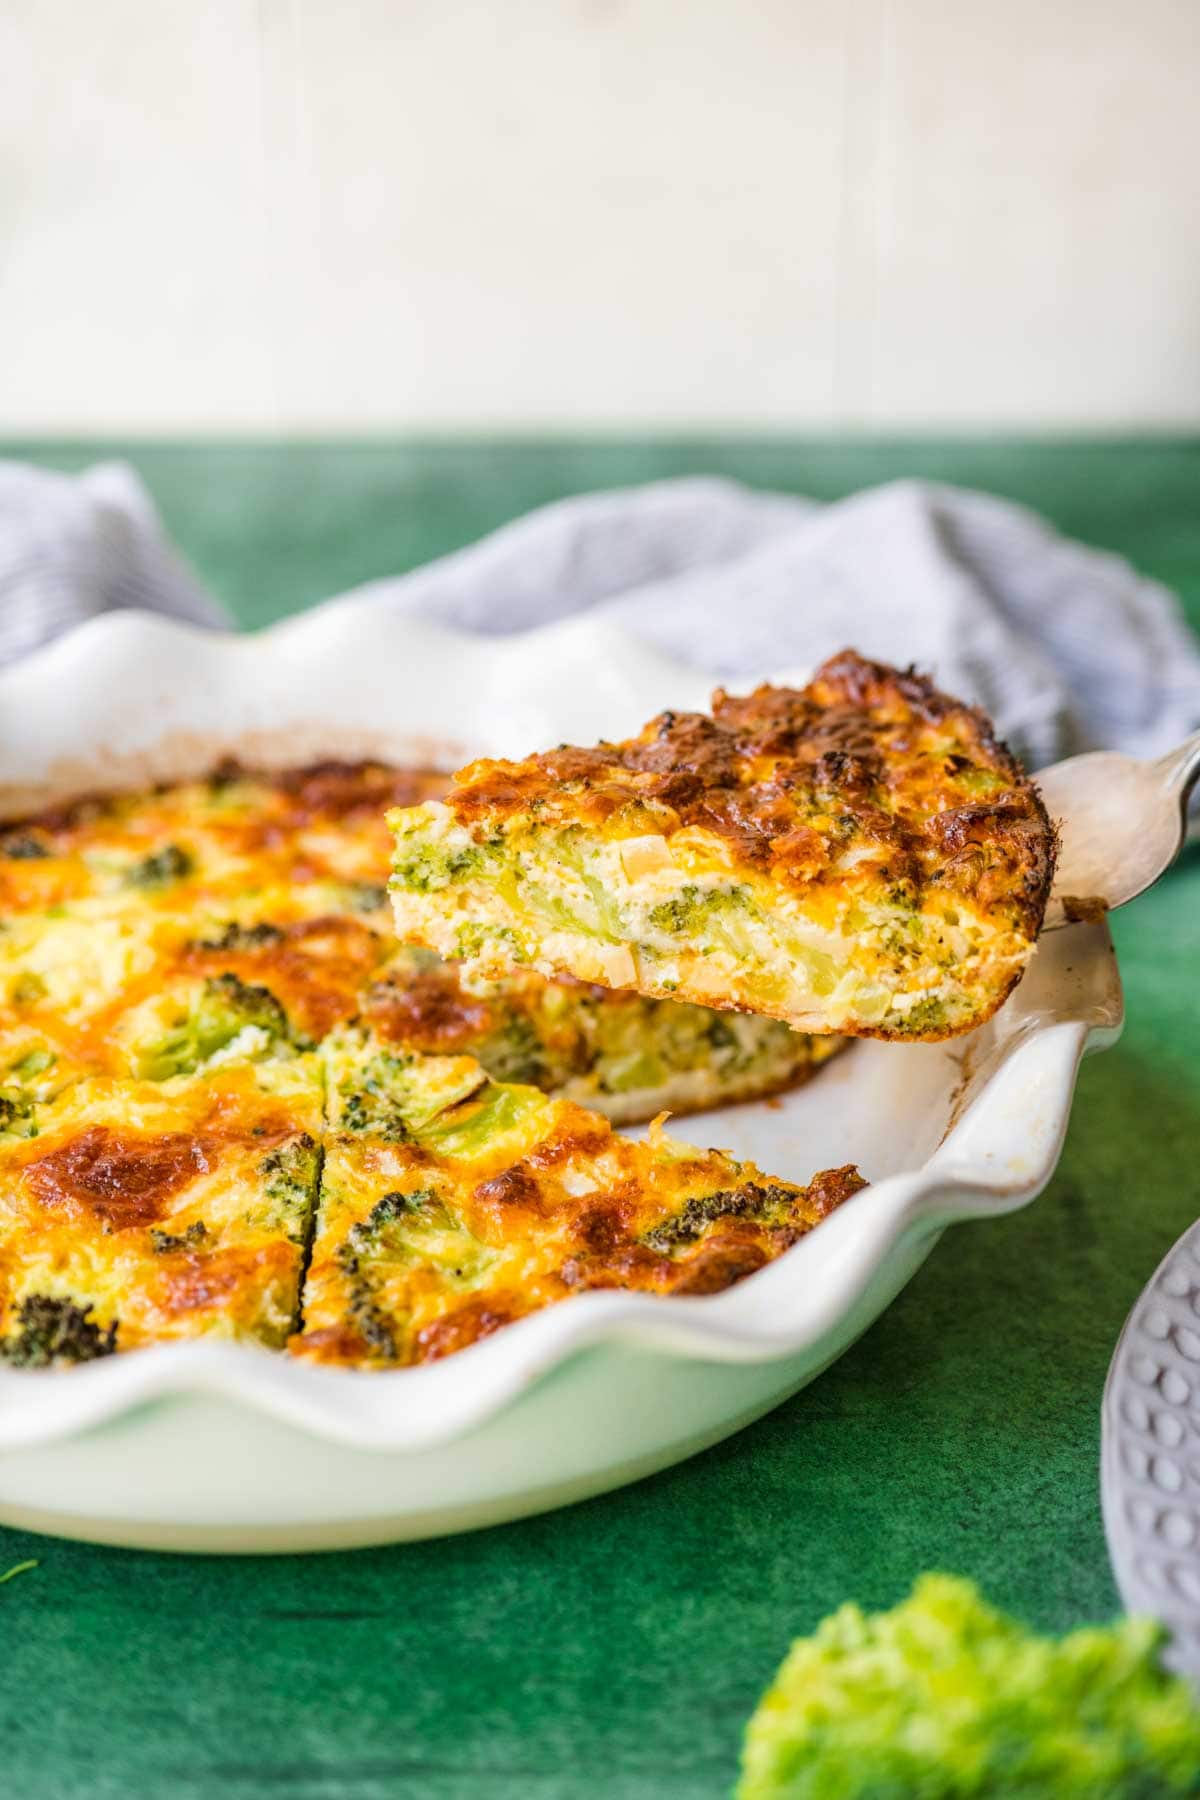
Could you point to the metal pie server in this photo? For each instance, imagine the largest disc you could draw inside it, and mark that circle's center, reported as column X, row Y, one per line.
column 1123, row 822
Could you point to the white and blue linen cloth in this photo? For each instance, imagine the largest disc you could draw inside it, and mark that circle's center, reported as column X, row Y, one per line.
column 1067, row 648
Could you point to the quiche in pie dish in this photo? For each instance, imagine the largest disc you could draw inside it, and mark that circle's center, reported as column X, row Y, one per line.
column 231, row 1105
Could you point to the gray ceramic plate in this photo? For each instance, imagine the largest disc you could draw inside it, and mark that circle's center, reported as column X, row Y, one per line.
column 1150, row 1453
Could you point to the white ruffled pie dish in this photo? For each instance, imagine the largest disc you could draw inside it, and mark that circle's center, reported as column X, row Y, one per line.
column 211, row 1446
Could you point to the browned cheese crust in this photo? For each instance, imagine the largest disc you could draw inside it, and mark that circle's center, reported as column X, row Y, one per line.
column 848, row 754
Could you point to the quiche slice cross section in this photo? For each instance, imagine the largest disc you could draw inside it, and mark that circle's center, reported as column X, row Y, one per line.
column 452, row 1205
column 858, row 856
column 622, row 1054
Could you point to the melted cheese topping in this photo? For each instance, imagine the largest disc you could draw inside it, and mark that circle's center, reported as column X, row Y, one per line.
column 161, row 1210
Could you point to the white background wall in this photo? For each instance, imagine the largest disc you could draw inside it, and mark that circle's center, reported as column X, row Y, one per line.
column 340, row 215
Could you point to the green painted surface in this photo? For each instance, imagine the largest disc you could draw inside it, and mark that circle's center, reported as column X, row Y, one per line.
column 616, row 1648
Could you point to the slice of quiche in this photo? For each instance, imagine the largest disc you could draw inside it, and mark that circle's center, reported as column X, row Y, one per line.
column 858, row 856
column 452, row 1204
column 134, row 1213
column 627, row 1056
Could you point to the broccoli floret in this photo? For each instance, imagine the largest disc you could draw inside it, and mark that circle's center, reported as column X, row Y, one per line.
column 516, row 1053
column 374, row 1236
column 926, row 1015
column 27, row 988
column 721, row 1034
column 290, row 1175
column 680, row 914
column 372, row 1240
column 380, row 1114
column 463, row 862
column 693, row 908
column 364, row 1237
column 366, row 896
column 422, row 867
column 368, row 1319
column 17, row 1115
column 463, row 1130
column 160, row 868
column 756, row 1200
column 24, row 848
column 946, row 1697
column 225, row 1007
column 252, row 1003
column 398, row 1097
column 471, row 939
column 391, row 1233
column 53, row 1330
column 241, row 937
column 165, row 1241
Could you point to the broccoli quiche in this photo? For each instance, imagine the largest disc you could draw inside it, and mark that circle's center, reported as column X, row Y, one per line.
column 858, row 856
column 452, row 1204
column 206, row 1023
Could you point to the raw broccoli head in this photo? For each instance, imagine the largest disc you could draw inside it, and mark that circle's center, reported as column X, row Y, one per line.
column 945, row 1698
column 225, row 1008
column 53, row 1330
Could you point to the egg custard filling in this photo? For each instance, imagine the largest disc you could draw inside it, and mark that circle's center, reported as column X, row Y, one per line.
column 860, row 856
column 220, row 1076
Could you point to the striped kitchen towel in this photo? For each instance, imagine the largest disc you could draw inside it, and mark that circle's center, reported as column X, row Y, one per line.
column 1067, row 648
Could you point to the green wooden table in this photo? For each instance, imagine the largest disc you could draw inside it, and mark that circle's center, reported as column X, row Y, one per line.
column 616, row 1648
